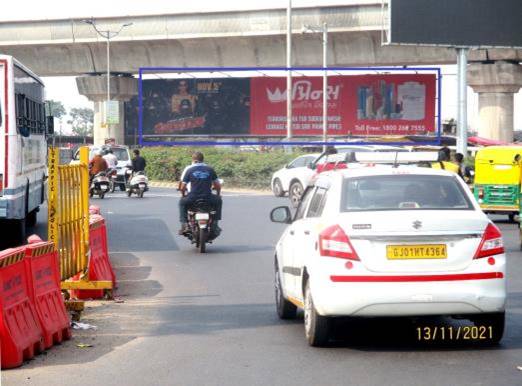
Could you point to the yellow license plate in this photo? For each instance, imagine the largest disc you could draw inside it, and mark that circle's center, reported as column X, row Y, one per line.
column 421, row 251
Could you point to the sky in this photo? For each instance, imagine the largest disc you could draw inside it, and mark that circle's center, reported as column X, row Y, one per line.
column 64, row 88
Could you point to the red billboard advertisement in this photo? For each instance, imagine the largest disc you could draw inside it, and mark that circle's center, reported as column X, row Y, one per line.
column 381, row 104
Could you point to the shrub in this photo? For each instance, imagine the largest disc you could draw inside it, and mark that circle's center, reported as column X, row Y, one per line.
column 238, row 168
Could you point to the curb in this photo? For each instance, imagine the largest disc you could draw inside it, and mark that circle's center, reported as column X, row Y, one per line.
column 174, row 185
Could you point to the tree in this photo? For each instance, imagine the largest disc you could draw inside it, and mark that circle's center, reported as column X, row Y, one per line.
column 82, row 121
column 56, row 108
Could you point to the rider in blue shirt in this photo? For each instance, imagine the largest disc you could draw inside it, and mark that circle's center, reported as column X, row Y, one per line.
column 201, row 178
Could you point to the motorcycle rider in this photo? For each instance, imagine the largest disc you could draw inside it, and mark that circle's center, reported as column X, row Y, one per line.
column 138, row 162
column 201, row 178
column 110, row 158
column 97, row 164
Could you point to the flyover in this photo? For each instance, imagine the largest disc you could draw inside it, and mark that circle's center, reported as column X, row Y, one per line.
column 251, row 38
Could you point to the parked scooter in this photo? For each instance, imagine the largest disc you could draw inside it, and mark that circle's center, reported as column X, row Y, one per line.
column 100, row 185
column 138, row 184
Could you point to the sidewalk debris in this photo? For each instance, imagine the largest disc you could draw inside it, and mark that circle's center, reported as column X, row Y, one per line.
column 82, row 326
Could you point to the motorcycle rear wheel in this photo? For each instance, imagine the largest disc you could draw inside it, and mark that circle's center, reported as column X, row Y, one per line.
column 202, row 240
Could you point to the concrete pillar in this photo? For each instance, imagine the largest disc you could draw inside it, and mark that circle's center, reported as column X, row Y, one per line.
column 496, row 83
column 94, row 87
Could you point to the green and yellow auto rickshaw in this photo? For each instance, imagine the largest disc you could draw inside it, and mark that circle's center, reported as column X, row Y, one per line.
column 497, row 179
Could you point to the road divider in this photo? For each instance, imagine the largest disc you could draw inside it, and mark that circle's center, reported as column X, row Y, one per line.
column 21, row 335
column 44, row 277
column 100, row 269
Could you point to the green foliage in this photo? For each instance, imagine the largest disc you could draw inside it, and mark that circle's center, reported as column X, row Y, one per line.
column 82, row 121
column 238, row 168
column 56, row 108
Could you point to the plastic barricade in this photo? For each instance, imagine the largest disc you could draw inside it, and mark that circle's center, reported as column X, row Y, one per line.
column 44, row 277
column 20, row 330
column 100, row 267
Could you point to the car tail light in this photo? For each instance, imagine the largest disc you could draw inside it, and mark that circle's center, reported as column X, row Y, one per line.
column 335, row 243
column 481, row 193
column 1, row 184
column 491, row 243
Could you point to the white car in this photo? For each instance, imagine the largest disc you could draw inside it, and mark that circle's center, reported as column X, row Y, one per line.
column 295, row 176
column 389, row 241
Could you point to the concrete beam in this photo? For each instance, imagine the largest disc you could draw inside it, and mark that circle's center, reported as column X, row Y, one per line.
column 345, row 49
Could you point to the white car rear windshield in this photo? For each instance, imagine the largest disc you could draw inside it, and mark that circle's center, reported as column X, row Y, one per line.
column 403, row 192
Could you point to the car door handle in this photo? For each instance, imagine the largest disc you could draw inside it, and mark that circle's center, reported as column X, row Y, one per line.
column 292, row 233
column 306, row 232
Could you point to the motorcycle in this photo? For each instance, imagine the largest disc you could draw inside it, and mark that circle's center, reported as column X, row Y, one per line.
column 100, row 185
column 201, row 225
column 138, row 184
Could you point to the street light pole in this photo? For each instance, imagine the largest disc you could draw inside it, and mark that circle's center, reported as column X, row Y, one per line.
column 108, row 34
column 324, row 30
column 288, row 71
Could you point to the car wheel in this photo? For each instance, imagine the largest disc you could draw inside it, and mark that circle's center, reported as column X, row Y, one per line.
column 317, row 327
column 285, row 309
column 277, row 188
column 494, row 324
column 511, row 217
column 296, row 191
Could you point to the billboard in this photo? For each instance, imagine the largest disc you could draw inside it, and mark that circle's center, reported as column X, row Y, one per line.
column 464, row 23
column 385, row 104
column 358, row 105
column 194, row 107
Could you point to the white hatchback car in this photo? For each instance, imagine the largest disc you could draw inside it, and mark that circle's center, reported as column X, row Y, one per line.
column 389, row 241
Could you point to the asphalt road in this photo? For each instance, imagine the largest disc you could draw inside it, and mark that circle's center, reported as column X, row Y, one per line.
column 182, row 318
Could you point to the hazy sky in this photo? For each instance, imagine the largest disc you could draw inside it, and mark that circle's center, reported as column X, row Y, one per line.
column 64, row 88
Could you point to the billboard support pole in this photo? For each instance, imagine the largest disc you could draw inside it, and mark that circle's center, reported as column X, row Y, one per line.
column 325, row 85
column 289, row 72
column 462, row 126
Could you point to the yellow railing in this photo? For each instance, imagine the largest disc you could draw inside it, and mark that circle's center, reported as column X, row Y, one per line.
column 68, row 225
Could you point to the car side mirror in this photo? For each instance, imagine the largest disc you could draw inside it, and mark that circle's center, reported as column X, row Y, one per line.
column 312, row 166
column 281, row 214
column 288, row 166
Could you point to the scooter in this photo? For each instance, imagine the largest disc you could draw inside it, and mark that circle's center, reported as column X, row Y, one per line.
column 100, row 185
column 113, row 176
column 138, row 184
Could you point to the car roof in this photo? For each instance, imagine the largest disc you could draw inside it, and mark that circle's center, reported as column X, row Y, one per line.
column 362, row 170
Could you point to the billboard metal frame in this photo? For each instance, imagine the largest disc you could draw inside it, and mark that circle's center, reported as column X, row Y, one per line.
column 386, row 35
column 143, row 70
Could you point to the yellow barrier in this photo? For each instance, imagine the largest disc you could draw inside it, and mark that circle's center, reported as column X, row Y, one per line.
column 68, row 218
column 69, row 212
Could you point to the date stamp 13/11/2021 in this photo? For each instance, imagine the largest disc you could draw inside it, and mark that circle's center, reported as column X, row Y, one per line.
column 454, row 333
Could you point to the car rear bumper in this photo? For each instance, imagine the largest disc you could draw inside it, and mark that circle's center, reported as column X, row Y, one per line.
column 410, row 295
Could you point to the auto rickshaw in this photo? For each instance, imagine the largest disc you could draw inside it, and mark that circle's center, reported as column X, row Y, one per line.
column 498, row 178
